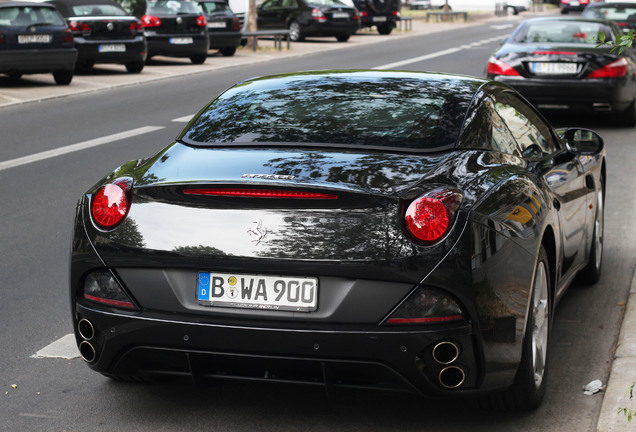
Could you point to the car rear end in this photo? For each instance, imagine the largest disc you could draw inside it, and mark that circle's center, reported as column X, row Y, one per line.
column 331, row 18
column 623, row 14
column 573, row 5
column 176, row 29
column 34, row 39
column 224, row 26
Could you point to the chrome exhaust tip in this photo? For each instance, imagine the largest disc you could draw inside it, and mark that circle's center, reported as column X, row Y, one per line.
column 86, row 329
column 87, row 352
column 446, row 352
column 452, row 377
column 602, row 107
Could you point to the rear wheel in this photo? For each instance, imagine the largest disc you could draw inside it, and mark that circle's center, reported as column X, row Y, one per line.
column 228, row 52
column 295, row 32
column 385, row 29
column 198, row 58
column 592, row 271
column 343, row 38
column 135, row 67
column 529, row 385
column 63, row 77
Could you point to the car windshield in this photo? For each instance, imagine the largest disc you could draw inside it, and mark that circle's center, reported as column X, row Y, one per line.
column 29, row 15
column 98, row 10
column 328, row 3
column 214, row 7
column 614, row 13
column 172, row 7
column 382, row 112
column 570, row 32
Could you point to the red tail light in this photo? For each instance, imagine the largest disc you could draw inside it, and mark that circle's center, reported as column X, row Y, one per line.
column 565, row 1
column 616, row 69
column 236, row 24
column 318, row 15
column 150, row 21
column 429, row 217
column 111, row 203
column 79, row 26
column 395, row 13
column 2, row 39
column 67, row 36
column 201, row 21
column 497, row 67
column 259, row 193
column 135, row 27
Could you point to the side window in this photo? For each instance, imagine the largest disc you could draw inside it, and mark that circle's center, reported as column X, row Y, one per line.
column 531, row 133
column 502, row 139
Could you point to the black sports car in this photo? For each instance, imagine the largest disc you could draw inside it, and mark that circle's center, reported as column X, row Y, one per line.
column 623, row 14
column 176, row 28
column 104, row 33
column 556, row 64
column 306, row 18
column 34, row 38
column 295, row 232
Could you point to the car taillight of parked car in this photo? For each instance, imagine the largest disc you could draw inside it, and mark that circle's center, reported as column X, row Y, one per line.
column 135, row 27
column 498, row 67
column 78, row 26
column 236, row 24
column 615, row 69
column 150, row 21
column 429, row 217
column 67, row 36
column 2, row 39
column 201, row 21
column 318, row 15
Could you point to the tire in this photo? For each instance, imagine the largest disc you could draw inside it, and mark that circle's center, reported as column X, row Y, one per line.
column 295, row 32
column 343, row 38
column 198, row 59
column 63, row 77
column 135, row 67
column 528, row 388
column 15, row 75
column 514, row 10
column 627, row 118
column 385, row 29
column 228, row 52
column 591, row 273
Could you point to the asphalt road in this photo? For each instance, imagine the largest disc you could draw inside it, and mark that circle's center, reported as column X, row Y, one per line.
column 37, row 202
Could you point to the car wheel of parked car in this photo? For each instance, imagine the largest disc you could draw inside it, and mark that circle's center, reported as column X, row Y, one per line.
column 228, row 52
column 198, row 58
column 135, row 67
column 514, row 10
column 528, row 388
column 564, row 11
column 592, row 272
column 63, row 77
column 343, row 38
column 295, row 33
column 385, row 29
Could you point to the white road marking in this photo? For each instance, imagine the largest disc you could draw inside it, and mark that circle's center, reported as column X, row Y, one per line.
column 77, row 147
column 183, row 119
column 438, row 54
column 64, row 347
column 502, row 26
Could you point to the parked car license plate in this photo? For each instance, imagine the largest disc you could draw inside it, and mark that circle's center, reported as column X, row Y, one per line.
column 111, row 48
column 574, row 3
column 277, row 293
column 340, row 15
column 379, row 19
column 36, row 38
column 553, row 68
column 181, row 40
column 216, row 25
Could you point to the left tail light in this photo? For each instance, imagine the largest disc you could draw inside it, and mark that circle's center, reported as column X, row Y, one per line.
column 236, row 24
column 78, row 26
column 427, row 305
column 429, row 217
column 615, row 69
column 150, row 21
column 135, row 27
column 2, row 39
column 101, row 286
column 498, row 67
column 201, row 21
column 111, row 203
column 67, row 36
column 318, row 15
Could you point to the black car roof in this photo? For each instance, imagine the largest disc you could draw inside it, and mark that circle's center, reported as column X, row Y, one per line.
column 83, row 2
column 4, row 3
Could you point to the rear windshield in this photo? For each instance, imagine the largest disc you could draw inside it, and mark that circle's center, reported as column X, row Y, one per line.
column 570, row 32
column 387, row 112
column 98, row 10
column 328, row 3
column 212, row 7
column 172, row 7
column 614, row 12
column 29, row 15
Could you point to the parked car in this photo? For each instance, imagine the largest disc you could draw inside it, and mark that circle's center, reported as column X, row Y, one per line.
column 623, row 14
column 467, row 5
column 176, row 28
column 519, row 5
column 104, row 33
column 223, row 26
column 306, row 18
column 419, row 4
column 34, row 38
column 383, row 14
column 296, row 232
column 576, row 5
column 556, row 64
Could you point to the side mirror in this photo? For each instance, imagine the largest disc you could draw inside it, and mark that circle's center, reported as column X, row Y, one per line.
column 583, row 142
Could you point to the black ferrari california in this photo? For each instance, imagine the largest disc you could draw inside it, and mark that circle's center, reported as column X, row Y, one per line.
column 557, row 65
column 297, row 232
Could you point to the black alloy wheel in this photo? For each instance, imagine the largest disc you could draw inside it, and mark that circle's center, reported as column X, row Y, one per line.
column 343, row 37
column 385, row 29
column 592, row 271
column 135, row 66
column 228, row 52
column 63, row 77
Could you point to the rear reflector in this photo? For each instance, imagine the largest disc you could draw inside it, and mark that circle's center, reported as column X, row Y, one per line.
column 427, row 305
column 260, row 193
column 101, row 287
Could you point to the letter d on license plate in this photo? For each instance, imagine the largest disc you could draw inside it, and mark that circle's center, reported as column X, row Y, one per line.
column 277, row 293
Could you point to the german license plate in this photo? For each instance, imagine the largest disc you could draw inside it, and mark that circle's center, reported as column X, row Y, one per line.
column 36, row 38
column 553, row 68
column 181, row 41
column 111, row 48
column 574, row 3
column 216, row 25
column 379, row 19
column 276, row 293
column 340, row 15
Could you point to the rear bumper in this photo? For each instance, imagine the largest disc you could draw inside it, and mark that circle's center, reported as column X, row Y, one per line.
column 225, row 39
column 37, row 61
column 163, row 45
column 94, row 50
column 331, row 28
column 379, row 20
column 583, row 95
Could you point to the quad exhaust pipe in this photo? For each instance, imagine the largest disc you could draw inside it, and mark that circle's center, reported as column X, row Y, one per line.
column 87, row 331
column 452, row 377
column 446, row 353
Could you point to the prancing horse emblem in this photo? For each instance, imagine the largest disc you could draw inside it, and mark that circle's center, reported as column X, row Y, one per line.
column 258, row 230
